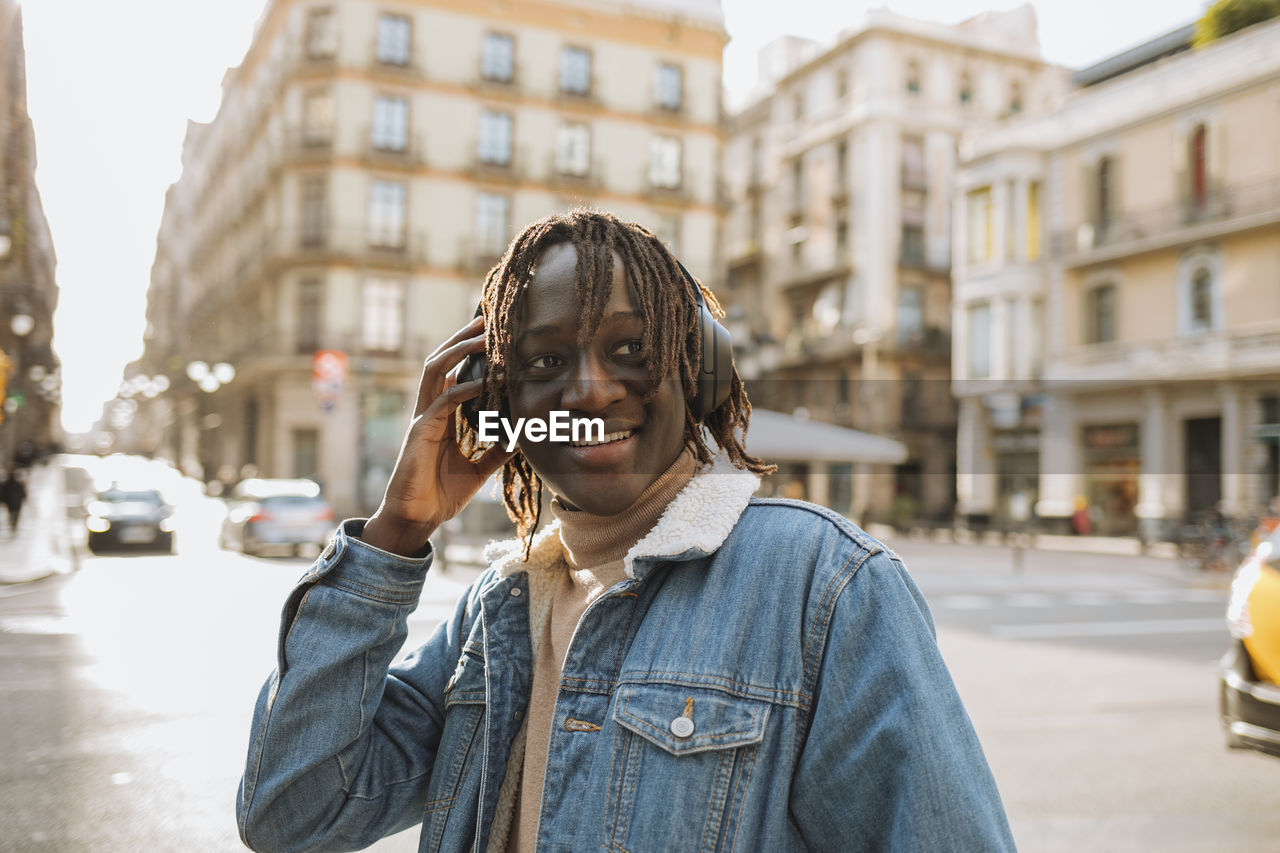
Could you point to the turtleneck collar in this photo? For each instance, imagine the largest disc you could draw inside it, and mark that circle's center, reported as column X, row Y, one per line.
column 592, row 540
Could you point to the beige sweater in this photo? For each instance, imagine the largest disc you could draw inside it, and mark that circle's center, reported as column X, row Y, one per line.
column 594, row 548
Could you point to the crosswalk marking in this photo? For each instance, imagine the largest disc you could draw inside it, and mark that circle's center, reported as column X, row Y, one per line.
column 1051, row 630
column 1079, row 598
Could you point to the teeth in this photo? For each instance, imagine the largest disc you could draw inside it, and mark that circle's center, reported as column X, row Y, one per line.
column 613, row 436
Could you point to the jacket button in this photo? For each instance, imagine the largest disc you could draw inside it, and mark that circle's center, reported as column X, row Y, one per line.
column 515, row 590
column 682, row 727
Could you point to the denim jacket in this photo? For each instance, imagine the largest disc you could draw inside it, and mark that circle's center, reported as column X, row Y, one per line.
column 765, row 679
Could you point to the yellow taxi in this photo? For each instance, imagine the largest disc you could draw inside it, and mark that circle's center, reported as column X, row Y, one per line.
column 1250, row 683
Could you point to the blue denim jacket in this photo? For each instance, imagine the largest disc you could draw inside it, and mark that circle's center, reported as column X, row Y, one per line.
column 765, row 679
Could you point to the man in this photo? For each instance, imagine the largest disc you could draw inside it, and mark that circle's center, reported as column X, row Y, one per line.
column 669, row 664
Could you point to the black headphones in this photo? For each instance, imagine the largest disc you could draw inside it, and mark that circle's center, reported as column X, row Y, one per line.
column 715, row 373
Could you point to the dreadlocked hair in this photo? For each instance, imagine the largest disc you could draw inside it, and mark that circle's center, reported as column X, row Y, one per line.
column 671, row 339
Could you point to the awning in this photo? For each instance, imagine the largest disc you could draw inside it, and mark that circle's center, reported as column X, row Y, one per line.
column 778, row 437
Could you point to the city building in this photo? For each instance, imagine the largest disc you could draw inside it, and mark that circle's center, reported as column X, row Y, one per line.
column 369, row 163
column 29, row 368
column 838, row 236
column 1117, row 321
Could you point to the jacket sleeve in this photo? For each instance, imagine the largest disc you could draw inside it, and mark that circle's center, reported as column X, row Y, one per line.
column 341, row 751
column 890, row 760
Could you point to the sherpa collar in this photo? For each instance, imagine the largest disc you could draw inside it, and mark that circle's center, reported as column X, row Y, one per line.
column 697, row 520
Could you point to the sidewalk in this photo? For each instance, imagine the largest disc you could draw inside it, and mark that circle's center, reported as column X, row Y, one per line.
column 43, row 545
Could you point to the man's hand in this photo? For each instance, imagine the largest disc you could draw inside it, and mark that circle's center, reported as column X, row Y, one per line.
column 432, row 479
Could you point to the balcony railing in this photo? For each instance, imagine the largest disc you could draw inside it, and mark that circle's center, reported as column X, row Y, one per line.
column 564, row 179
column 1242, row 351
column 1225, row 210
column 330, row 245
column 287, row 349
column 378, row 154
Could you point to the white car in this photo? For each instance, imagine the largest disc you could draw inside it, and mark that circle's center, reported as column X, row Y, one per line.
column 286, row 515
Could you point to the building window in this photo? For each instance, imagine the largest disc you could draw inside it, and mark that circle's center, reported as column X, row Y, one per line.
column 797, row 188
column 313, row 217
column 317, row 117
column 387, row 202
column 668, row 86
column 573, row 149
column 497, row 58
column 664, row 162
column 912, row 245
column 966, row 89
column 1015, row 98
column 913, row 78
column 393, row 39
column 980, row 341
column 842, row 167
column 322, row 34
column 1104, row 190
column 842, row 233
column 842, row 83
column 910, row 313
column 306, row 453
column 913, row 167
column 495, row 138
column 493, row 214
column 1197, row 156
column 1033, row 221
column 1198, row 293
column 575, row 71
column 390, row 123
column 310, row 314
column 382, row 319
column 1100, row 314
column 978, row 221
column 797, row 105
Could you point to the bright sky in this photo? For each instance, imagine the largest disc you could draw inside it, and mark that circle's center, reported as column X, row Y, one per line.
column 111, row 86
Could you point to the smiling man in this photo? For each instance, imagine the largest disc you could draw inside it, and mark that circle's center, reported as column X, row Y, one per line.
column 668, row 664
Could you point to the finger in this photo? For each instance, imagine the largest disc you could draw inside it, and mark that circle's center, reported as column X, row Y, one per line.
column 465, row 332
column 493, row 459
column 436, row 370
column 436, row 428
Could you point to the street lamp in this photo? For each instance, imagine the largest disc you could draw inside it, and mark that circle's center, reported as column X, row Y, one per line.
column 22, row 324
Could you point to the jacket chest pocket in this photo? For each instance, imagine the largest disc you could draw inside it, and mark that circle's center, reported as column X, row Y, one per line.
column 454, row 780
column 682, row 763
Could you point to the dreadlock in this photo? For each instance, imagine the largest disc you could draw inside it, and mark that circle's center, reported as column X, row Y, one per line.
column 671, row 337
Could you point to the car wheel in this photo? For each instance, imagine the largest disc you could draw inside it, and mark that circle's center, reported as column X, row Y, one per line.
column 166, row 543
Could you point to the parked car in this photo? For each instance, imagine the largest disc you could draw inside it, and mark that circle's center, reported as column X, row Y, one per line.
column 287, row 515
column 1250, row 671
column 120, row 517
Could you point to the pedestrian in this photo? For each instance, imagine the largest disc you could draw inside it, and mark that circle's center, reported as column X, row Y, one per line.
column 666, row 664
column 13, row 492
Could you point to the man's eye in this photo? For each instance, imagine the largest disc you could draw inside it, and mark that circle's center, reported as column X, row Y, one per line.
column 632, row 347
column 544, row 362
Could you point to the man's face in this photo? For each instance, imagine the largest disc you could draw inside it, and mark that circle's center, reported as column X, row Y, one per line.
column 606, row 378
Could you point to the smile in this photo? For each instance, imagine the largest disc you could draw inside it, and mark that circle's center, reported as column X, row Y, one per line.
column 608, row 439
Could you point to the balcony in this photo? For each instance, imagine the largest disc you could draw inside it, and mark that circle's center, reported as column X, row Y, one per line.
column 476, row 257
column 1247, row 350
column 493, row 85
column 275, row 351
column 1226, row 211
column 347, row 245
column 743, row 253
column 493, row 171
column 811, row 272
column 307, row 147
column 564, row 179
column 378, row 156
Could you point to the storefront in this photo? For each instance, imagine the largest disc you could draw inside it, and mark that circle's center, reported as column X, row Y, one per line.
column 1112, row 462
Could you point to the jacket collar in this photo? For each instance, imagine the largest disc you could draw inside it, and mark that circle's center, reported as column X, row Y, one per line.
column 694, row 524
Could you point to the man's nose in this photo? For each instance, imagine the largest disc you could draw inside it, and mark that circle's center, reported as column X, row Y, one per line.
column 592, row 386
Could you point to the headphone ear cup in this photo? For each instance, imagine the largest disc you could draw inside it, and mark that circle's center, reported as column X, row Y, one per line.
column 715, row 373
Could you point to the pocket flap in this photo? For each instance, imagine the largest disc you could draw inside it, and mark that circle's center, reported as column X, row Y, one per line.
column 466, row 685
column 684, row 720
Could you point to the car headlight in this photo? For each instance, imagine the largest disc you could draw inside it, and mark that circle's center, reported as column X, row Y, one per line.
column 166, row 525
column 97, row 524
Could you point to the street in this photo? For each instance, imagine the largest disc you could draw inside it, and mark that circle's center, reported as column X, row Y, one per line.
column 128, row 683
